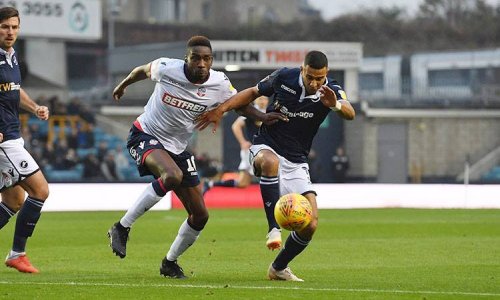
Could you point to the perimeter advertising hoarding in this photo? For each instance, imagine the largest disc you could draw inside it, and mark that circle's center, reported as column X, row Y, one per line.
column 63, row 19
column 273, row 55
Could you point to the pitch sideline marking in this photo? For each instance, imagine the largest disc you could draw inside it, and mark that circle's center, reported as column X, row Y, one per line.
column 255, row 287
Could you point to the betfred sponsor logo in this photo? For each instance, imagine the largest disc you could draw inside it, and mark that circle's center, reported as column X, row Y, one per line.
column 182, row 104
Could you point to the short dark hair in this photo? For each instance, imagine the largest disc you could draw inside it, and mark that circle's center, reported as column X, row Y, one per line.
column 316, row 60
column 199, row 40
column 8, row 12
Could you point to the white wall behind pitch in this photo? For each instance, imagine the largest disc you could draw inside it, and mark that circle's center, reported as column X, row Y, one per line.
column 97, row 197
column 119, row 197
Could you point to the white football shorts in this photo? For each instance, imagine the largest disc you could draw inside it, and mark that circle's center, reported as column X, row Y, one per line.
column 15, row 163
column 293, row 177
column 245, row 162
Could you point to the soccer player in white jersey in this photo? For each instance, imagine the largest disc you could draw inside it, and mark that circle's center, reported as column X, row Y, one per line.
column 158, row 139
column 19, row 172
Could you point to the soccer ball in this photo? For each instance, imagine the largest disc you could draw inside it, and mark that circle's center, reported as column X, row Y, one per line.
column 293, row 212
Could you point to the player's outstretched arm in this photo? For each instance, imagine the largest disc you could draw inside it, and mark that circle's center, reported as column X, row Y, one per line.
column 214, row 116
column 266, row 118
column 341, row 106
column 26, row 103
column 346, row 111
column 137, row 74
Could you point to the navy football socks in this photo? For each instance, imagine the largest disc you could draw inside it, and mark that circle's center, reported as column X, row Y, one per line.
column 26, row 222
column 294, row 245
column 270, row 191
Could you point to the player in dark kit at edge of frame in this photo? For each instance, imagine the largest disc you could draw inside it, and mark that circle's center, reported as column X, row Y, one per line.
column 19, row 172
column 158, row 139
column 279, row 151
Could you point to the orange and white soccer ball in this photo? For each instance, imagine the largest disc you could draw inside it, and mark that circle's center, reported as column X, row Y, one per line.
column 293, row 212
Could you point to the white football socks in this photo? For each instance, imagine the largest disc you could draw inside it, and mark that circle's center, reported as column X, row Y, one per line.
column 184, row 239
column 146, row 200
column 14, row 254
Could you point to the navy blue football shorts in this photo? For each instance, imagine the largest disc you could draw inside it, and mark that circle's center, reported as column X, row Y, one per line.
column 140, row 145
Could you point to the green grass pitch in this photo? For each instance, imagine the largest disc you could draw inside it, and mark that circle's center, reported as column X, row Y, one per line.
column 356, row 254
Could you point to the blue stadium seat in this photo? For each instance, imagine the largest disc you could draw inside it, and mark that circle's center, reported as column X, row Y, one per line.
column 64, row 175
column 82, row 152
column 43, row 125
column 492, row 175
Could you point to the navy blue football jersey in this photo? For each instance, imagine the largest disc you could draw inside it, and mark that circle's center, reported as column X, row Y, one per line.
column 293, row 139
column 10, row 86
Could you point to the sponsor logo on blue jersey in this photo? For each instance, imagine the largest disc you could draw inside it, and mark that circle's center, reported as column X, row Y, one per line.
column 299, row 114
column 9, row 86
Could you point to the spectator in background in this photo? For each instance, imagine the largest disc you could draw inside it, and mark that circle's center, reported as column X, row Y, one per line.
column 60, row 151
column 38, row 138
column 74, row 107
column 60, row 108
column 340, row 165
column 86, row 137
column 121, row 162
column 108, row 166
column 72, row 138
column 102, row 150
column 70, row 160
column 86, row 114
column 48, row 156
column 92, row 168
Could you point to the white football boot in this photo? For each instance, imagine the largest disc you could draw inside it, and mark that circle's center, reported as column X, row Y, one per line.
column 274, row 239
column 285, row 274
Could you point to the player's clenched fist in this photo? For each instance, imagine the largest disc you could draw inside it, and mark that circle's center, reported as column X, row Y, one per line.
column 42, row 112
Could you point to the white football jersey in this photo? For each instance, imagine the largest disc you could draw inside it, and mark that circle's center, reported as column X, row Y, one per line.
column 175, row 102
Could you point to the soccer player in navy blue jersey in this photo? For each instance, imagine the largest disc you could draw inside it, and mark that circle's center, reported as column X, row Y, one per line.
column 279, row 153
column 19, row 172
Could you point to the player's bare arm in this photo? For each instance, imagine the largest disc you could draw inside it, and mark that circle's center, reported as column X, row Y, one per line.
column 238, row 101
column 137, row 74
column 329, row 99
column 270, row 118
column 214, row 116
column 26, row 103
